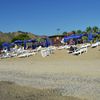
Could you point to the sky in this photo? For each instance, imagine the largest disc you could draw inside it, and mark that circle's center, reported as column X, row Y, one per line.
column 44, row 17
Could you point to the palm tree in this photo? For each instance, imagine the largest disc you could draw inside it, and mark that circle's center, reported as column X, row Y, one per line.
column 95, row 29
column 74, row 32
column 88, row 29
column 78, row 31
column 65, row 33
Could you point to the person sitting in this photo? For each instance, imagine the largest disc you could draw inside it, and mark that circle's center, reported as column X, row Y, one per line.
column 71, row 49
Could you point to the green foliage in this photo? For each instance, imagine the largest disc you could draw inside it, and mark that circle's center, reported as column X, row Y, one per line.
column 65, row 33
column 92, row 29
column 21, row 37
column 95, row 29
column 78, row 31
column 84, row 38
column 0, row 43
column 88, row 29
column 74, row 32
column 40, row 40
column 97, row 37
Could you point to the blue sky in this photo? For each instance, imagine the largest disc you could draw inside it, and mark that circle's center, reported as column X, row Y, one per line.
column 44, row 17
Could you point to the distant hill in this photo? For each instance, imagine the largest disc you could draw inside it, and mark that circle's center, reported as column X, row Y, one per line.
column 7, row 37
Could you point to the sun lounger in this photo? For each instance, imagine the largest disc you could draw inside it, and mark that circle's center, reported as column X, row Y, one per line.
column 95, row 45
column 67, row 46
column 45, row 52
column 6, row 55
column 72, row 49
column 38, row 48
column 80, row 51
column 98, row 43
column 26, row 54
column 23, row 55
column 60, row 47
column 86, row 45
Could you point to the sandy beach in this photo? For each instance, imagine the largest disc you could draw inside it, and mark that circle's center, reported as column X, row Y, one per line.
column 77, row 76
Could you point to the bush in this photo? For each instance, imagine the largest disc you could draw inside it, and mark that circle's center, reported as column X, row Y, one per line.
column 21, row 37
column 85, row 38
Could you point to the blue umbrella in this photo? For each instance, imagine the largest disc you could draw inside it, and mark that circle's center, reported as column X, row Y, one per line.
column 90, row 36
column 6, row 45
column 25, row 44
column 98, row 32
column 72, row 37
column 18, row 42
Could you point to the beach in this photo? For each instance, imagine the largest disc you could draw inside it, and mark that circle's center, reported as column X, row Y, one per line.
column 71, row 75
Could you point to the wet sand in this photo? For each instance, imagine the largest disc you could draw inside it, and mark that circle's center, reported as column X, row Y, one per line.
column 77, row 76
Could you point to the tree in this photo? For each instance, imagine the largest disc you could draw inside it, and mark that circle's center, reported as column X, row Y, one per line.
column 40, row 39
column 95, row 29
column 84, row 38
column 78, row 31
column 21, row 37
column 65, row 33
column 73, row 32
column 97, row 37
column 88, row 29
column 1, row 43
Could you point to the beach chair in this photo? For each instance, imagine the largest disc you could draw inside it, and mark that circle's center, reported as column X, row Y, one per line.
column 45, row 52
column 60, row 47
column 95, row 45
column 98, row 43
column 5, row 55
column 67, row 46
column 39, row 48
column 85, row 45
column 23, row 55
column 80, row 51
column 72, row 49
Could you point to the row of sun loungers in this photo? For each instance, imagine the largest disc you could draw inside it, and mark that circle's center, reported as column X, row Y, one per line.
column 17, row 53
column 48, row 51
column 26, row 53
column 83, row 48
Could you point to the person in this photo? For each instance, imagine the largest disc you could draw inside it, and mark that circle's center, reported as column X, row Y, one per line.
column 71, row 49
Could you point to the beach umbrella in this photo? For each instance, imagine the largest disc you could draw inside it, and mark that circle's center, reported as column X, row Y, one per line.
column 97, row 32
column 12, row 44
column 6, row 45
column 67, row 38
column 18, row 42
column 73, row 36
column 46, row 43
column 25, row 44
column 90, row 36
column 31, row 40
